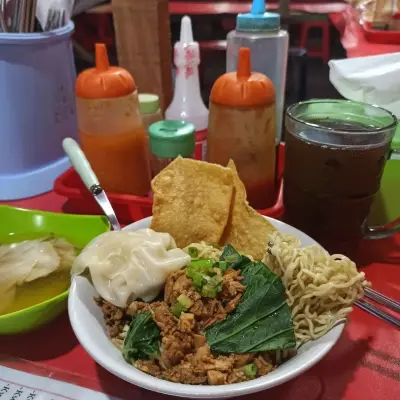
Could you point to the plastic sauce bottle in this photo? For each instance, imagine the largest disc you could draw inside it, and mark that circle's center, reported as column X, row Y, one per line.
column 187, row 104
column 110, row 127
column 260, row 31
column 242, row 127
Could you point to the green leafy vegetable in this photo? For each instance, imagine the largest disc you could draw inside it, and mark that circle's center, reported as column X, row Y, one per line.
column 261, row 322
column 193, row 252
column 142, row 340
column 233, row 259
column 228, row 252
column 250, row 370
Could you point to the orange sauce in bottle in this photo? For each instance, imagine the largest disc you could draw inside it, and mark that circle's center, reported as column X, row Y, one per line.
column 242, row 124
column 110, row 127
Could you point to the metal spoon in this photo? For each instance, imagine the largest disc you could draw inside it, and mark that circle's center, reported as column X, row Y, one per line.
column 84, row 170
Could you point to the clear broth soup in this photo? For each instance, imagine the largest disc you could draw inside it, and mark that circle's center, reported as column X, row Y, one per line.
column 40, row 290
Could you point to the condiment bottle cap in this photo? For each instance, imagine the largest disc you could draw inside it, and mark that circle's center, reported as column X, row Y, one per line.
column 258, row 20
column 170, row 139
column 186, row 50
column 103, row 81
column 148, row 103
column 243, row 88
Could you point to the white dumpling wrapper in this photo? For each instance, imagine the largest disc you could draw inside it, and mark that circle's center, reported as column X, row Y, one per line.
column 130, row 265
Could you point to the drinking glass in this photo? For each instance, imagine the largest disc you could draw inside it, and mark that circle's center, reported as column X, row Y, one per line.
column 335, row 155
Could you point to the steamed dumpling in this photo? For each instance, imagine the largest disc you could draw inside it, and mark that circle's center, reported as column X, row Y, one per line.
column 130, row 265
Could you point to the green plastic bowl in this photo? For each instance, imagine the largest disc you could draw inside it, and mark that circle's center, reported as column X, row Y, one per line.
column 18, row 224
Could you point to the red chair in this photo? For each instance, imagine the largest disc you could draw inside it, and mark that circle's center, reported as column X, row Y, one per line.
column 325, row 50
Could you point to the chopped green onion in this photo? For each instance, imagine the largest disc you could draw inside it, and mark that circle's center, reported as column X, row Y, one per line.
column 204, row 263
column 185, row 301
column 198, row 270
column 212, row 287
column 177, row 309
column 223, row 266
column 182, row 305
column 193, row 252
column 209, row 291
column 250, row 370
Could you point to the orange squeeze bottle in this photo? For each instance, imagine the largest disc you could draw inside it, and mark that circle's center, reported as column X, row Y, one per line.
column 241, row 127
column 110, row 127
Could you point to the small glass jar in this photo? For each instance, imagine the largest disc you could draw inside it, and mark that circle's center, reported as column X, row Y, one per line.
column 168, row 140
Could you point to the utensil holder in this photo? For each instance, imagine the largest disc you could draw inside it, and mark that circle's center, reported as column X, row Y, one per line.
column 37, row 110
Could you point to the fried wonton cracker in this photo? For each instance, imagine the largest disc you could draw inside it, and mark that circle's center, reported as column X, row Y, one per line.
column 192, row 201
column 247, row 230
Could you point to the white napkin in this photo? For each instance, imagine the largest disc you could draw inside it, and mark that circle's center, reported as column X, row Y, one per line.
column 374, row 80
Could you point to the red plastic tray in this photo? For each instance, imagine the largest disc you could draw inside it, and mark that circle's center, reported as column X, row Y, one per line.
column 133, row 208
column 380, row 36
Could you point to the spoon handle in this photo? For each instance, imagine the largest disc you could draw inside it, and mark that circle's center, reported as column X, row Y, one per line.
column 80, row 163
column 89, row 178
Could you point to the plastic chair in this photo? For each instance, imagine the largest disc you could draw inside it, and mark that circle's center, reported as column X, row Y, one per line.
column 325, row 50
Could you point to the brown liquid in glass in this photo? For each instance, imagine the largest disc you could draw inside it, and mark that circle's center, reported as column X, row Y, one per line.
column 329, row 189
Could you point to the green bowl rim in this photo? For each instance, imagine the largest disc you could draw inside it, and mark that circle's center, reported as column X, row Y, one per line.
column 39, row 305
column 58, row 214
column 65, row 293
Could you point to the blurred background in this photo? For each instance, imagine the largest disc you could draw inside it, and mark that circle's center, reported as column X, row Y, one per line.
column 307, row 72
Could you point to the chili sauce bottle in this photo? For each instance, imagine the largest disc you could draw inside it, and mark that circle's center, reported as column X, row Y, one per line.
column 110, row 127
column 242, row 127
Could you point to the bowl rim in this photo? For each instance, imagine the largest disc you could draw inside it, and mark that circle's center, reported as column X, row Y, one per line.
column 35, row 307
column 60, row 215
column 141, row 379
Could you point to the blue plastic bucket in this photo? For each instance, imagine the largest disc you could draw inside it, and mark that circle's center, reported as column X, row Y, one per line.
column 37, row 110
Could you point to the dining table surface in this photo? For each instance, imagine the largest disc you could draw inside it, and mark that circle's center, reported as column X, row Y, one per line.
column 363, row 365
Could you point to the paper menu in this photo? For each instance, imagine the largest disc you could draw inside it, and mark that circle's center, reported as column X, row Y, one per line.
column 18, row 385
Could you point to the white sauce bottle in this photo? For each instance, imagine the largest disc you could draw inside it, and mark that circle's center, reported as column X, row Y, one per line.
column 187, row 104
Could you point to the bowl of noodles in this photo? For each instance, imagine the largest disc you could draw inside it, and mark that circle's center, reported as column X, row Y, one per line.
column 193, row 310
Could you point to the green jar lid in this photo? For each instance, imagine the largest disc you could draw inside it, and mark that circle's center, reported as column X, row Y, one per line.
column 170, row 139
column 148, row 103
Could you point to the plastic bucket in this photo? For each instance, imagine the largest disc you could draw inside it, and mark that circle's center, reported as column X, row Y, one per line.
column 37, row 110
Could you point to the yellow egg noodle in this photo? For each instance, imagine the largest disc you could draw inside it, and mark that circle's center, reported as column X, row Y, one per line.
column 321, row 288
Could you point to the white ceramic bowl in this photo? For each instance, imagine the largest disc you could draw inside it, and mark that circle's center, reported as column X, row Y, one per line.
column 88, row 325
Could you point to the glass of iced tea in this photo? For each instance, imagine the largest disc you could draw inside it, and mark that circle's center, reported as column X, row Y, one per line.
column 335, row 155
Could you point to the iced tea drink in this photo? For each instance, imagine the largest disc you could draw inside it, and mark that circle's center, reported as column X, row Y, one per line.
column 334, row 159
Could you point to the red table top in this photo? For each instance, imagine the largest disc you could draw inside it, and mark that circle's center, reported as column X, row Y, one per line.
column 353, row 38
column 365, row 363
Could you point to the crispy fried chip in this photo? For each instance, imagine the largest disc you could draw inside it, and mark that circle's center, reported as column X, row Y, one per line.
column 192, row 201
column 247, row 230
